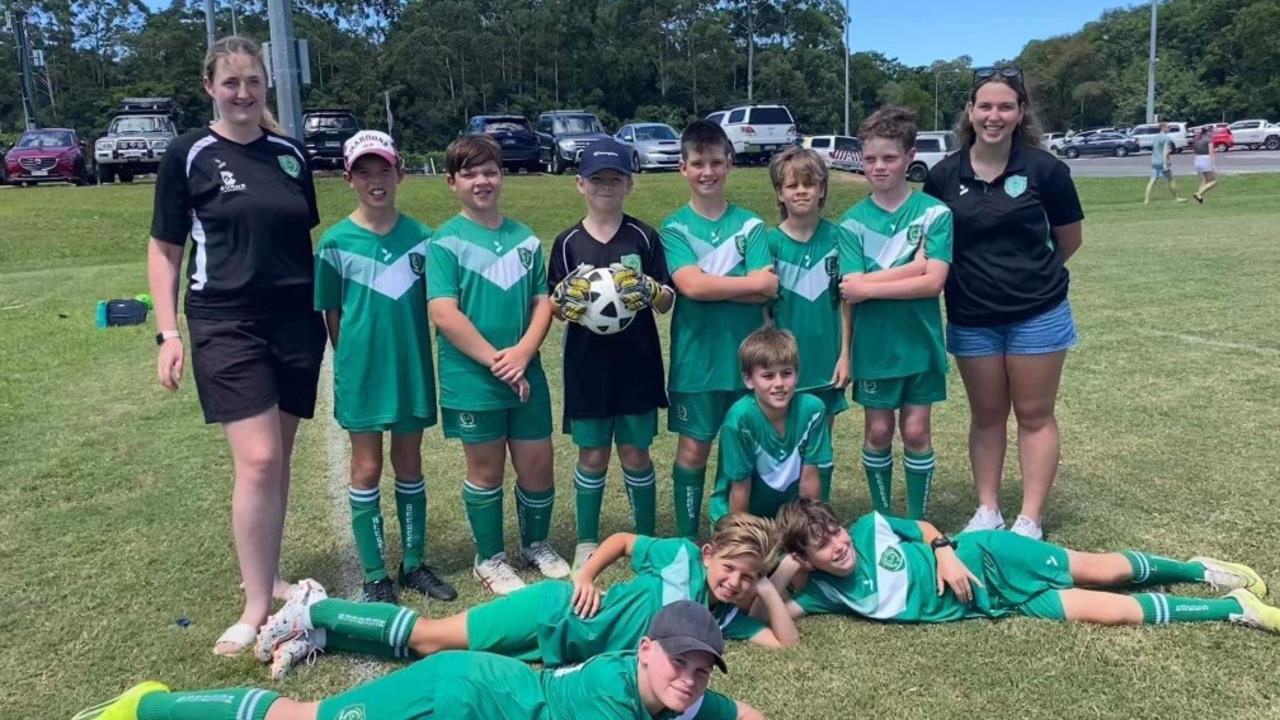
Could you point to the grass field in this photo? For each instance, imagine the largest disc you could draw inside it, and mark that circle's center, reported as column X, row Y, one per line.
column 117, row 495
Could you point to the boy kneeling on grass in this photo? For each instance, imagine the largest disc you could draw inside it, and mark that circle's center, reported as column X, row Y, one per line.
column 665, row 676
column 886, row 568
column 557, row 622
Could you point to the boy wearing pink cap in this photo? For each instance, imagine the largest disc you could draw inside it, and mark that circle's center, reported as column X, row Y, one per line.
column 369, row 283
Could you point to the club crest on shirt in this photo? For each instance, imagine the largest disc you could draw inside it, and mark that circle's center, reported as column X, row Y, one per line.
column 351, row 712
column 631, row 261
column 1015, row 185
column 290, row 165
column 913, row 235
column 891, row 559
column 526, row 257
column 417, row 262
column 833, row 266
column 741, row 240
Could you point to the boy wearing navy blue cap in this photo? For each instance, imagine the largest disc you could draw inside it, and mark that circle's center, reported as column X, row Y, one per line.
column 613, row 384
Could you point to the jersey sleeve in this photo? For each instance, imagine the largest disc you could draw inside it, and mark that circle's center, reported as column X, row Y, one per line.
column 557, row 266
column 1059, row 197
column 328, row 294
column 758, row 255
column 442, row 271
column 713, row 706
column 742, row 627
column 651, row 555
column 654, row 262
column 849, row 244
column 817, row 446
column 171, row 217
column 737, row 455
column 938, row 237
column 813, row 601
column 676, row 247
column 908, row 530
column 539, row 286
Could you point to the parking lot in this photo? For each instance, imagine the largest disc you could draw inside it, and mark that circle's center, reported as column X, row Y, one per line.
column 1229, row 163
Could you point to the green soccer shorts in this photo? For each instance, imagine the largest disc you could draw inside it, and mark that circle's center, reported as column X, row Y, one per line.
column 924, row 388
column 531, row 421
column 834, row 399
column 404, row 426
column 1021, row 575
column 635, row 430
column 509, row 625
column 699, row 415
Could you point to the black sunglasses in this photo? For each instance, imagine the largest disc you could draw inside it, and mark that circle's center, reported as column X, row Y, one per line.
column 982, row 74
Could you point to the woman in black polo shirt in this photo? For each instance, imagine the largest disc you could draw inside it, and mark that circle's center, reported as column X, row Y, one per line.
column 243, row 194
column 1017, row 220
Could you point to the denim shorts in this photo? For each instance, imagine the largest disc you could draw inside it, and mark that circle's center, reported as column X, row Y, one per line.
column 1048, row 332
column 1164, row 172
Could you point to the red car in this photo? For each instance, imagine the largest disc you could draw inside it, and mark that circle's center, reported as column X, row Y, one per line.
column 1221, row 137
column 47, row 155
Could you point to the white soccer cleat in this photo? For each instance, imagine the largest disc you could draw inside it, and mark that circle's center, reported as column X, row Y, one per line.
column 290, row 620
column 542, row 556
column 582, row 553
column 1228, row 575
column 1026, row 527
column 296, row 651
column 497, row 575
column 984, row 519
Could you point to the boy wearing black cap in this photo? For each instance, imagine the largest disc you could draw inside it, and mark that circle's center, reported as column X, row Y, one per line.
column 665, row 678
column 612, row 383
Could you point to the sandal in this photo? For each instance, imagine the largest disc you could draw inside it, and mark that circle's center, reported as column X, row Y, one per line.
column 240, row 636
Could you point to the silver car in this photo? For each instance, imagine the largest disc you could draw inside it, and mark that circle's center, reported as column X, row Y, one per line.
column 654, row 146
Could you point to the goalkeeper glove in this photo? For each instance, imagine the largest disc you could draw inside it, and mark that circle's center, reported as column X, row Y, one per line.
column 636, row 290
column 572, row 294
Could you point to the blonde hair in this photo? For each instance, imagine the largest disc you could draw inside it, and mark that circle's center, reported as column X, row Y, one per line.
column 739, row 535
column 236, row 45
column 768, row 347
column 808, row 168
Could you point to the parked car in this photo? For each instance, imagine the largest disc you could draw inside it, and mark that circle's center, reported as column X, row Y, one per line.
column 1220, row 136
column 136, row 139
column 931, row 148
column 47, row 155
column 654, row 146
column 1254, row 134
column 1052, row 141
column 1102, row 143
column 1146, row 135
column 324, row 131
column 514, row 135
column 839, row 151
column 757, row 131
column 562, row 135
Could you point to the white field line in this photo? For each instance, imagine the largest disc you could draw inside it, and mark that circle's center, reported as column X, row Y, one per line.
column 1194, row 340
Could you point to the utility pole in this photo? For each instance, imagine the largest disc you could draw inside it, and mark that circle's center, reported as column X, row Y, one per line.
column 284, row 63
column 846, row 67
column 209, row 32
column 18, row 16
column 1151, row 69
column 935, row 99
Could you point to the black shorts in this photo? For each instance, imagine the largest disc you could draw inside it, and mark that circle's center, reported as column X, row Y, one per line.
column 243, row 367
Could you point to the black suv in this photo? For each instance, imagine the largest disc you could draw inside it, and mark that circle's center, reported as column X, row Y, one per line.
column 324, row 130
column 562, row 135
column 514, row 135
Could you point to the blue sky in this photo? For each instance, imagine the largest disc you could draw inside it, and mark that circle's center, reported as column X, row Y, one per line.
column 918, row 32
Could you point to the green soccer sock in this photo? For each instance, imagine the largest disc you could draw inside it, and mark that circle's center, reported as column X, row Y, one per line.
column 1161, row 609
column 588, row 493
column 824, row 479
column 533, row 508
column 1157, row 570
column 347, row 644
column 879, row 467
column 686, row 487
column 366, row 525
column 918, row 469
column 382, row 623
column 484, row 513
column 226, row 704
column 411, row 508
column 642, row 490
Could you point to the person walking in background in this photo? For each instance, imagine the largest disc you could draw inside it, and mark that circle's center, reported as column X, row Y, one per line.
column 1162, row 164
column 1206, row 162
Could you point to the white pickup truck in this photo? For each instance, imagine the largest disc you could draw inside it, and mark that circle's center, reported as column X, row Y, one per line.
column 1255, row 134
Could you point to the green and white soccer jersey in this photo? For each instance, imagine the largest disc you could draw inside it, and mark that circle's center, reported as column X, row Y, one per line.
column 705, row 335
column 808, row 301
column 494, row 275
column 896, row 338
column 382, row 371
column 752, row 451
column 606, row 688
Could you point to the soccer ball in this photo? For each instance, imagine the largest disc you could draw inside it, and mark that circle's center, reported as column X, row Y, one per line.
column 605, row 313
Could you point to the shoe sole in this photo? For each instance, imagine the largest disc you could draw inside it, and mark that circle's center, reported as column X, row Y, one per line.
column 488, row 586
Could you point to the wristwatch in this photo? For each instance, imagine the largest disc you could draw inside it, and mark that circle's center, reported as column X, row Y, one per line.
column 167, row 335
column 942, row 541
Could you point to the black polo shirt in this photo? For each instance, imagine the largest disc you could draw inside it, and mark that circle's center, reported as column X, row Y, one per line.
column 248, row 209
column 619, row 374
column 1005, row 265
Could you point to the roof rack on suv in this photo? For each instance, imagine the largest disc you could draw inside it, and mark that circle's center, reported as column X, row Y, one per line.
column 148, row 105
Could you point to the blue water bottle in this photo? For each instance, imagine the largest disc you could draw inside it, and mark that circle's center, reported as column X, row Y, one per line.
column 102, row 314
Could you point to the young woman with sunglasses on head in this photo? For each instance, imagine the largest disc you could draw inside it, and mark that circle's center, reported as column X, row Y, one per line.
column 1017, row 219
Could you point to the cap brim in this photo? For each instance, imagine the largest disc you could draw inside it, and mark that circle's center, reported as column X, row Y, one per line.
column 683, row 644
column 624, row 171
column 387, row 155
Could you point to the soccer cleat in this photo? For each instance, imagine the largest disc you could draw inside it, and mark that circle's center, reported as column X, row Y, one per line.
column 1255, row 613
column 295, row 651
column 290, row 620
column 383, row 591
column 423, row 579
column 124, row 706
column 540, row 555
column 1230, row 576
column 985, row 519
column 497, row 575
column 582, row 553
column 1026, row 527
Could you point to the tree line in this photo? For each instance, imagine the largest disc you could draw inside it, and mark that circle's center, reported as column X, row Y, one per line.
column 440, row 61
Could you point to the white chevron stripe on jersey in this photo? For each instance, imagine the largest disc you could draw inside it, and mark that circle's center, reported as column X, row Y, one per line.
column 779, row 474
column 502, row 270
column 891, row 582
column 196, row 147
column 807, row 283
column 718, row 259
column 675, row 578
column 888, row 251
column 392, row 280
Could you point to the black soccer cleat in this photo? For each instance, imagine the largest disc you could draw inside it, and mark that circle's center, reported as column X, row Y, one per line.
column 422, row 580
column 380, row 591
